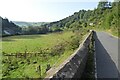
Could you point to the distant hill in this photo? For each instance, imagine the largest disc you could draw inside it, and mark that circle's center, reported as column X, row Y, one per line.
column 26, row 24
column 9, row 28
column 106, row 16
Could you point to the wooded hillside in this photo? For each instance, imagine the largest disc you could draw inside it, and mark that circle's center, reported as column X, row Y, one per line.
column 9, row 28
column 105, row 16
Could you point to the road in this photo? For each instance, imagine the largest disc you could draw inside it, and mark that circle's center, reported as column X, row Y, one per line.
column 106, row 52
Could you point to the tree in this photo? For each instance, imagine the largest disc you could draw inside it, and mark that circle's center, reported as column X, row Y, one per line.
column 102, row 4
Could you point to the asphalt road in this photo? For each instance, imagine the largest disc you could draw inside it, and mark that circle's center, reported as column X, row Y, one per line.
column 106, row 49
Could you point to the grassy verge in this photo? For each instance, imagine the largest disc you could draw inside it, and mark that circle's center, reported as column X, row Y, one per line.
column 113, row 31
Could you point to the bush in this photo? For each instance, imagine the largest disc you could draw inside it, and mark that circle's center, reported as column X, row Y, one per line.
column 57, row 49
column 73, row 43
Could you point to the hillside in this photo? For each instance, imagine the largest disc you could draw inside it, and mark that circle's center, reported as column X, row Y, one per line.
column 9, row 28
column 104, row 17
column 26, row 24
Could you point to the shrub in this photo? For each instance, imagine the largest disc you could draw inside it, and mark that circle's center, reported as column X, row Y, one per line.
column 57, row 49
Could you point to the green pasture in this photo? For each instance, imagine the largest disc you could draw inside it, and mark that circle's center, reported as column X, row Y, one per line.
column 26, row 67
column 32, row 43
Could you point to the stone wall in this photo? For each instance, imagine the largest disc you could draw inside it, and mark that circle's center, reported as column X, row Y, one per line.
column 74, row 65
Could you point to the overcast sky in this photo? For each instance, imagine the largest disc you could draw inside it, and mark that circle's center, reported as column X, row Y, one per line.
column 42, row 10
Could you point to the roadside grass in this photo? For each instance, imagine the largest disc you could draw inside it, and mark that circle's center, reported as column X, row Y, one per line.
column 112, row 31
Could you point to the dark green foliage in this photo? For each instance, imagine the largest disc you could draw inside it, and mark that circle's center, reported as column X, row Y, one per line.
column 57, row 49
column 75, row 40
column 9, row 28
column 102, row 4
column 74, row 43
column 48, row 67
column 35, row 30
column 55, row 29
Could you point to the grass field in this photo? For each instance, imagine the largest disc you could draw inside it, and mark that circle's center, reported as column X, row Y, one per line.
column 60, row 44
column 32, row 43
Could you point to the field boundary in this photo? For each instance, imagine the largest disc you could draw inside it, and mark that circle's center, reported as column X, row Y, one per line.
column 78, row 58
